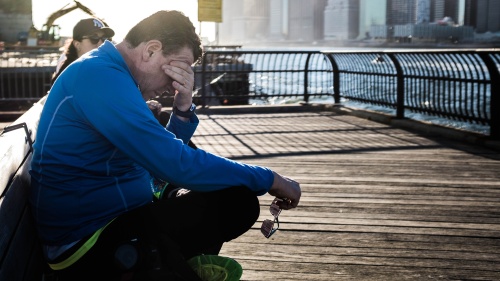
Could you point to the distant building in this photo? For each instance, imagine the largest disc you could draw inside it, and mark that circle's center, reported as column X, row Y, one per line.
column 483, row 15
column 319, row 19
column 301, row 20
column 278, row 27
column 423, row 21
column 437, row 10
column 470, row 17
column 15, row 20
column 423, row 10
column 401, row 12
column 231, row 11
column 257, row 21
column 371, row 13
column 445, row 8
column 487, row 15
column 311, row 21
column 432, row 33
column 452, row 10
column 342, row 20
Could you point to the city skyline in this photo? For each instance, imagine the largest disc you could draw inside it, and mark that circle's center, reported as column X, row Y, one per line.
column 281, row 21
column 334, row 20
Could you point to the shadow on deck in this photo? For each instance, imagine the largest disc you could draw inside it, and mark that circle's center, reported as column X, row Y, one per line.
column 379, row 202
column 388, row 200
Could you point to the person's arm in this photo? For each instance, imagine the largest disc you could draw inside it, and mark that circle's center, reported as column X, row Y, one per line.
column 183, row 82
column 286, row 188
column 182, row 129
column 111, row 102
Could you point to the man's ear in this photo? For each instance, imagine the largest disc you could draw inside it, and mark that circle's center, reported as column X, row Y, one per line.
column 151, row 49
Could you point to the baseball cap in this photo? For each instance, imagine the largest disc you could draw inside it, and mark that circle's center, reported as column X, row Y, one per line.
column 89, row 26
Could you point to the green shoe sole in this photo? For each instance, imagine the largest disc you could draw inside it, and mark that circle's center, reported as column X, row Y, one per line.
column 216, row 268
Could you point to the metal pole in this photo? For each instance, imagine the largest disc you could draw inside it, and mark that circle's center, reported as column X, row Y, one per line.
column 217, row 33
column 495, row 95
column 400, row 98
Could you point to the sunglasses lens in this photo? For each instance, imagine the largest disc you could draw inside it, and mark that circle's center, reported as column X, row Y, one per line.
column 275, row 210
column 95, row 39
column 267, row 228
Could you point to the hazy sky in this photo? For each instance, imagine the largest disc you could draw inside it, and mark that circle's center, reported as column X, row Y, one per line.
column 119, row 14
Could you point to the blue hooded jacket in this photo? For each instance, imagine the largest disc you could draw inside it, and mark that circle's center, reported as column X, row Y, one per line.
column 98, row 144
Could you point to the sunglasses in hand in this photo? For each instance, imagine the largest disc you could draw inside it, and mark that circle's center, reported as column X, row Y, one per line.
column 268, row 227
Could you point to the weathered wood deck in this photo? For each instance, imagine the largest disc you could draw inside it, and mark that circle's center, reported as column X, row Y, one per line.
column 378, row 203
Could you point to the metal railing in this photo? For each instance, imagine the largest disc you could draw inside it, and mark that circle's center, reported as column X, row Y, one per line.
column 461, row 85
column 25, row 75
column 452, row 84
column 263, row 77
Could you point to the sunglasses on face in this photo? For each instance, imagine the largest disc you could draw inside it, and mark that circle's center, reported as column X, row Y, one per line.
column 267, row 227
column 94, row 39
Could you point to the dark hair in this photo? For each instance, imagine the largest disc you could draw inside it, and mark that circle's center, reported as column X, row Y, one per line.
column 172, row 28
column 71, row 55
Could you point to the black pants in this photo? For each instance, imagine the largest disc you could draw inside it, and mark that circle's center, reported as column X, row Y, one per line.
column 165, row 234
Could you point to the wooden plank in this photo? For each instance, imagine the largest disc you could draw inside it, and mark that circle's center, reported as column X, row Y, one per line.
column 374, row 240
column 378, row 203
column 386, row 259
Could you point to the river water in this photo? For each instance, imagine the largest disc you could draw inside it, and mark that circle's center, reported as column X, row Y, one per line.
column 291, row 84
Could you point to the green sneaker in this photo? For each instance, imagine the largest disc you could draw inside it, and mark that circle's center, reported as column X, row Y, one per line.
column 216, row 268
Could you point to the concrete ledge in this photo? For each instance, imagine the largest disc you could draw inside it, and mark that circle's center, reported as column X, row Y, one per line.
column 249, row 109
column 422, row 127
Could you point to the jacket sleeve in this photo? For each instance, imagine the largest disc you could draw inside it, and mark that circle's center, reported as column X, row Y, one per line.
column 112, row 103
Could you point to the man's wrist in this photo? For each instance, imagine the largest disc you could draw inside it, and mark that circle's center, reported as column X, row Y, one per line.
column 187, row 114
column 183, row 106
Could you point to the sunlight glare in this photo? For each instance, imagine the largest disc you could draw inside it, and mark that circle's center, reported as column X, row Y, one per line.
column 119, row 15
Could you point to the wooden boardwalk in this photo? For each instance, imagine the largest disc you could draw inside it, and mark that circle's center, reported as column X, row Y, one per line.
column 378, row 203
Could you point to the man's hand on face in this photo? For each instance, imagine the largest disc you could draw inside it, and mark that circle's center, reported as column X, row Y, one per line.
column 183, row 81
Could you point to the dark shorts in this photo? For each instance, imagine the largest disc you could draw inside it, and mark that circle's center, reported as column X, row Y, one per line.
column 166, row 233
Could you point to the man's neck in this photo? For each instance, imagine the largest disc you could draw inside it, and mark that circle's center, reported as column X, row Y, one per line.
column 130, row 55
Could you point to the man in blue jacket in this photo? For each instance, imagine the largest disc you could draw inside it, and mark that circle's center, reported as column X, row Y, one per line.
column 100, row 152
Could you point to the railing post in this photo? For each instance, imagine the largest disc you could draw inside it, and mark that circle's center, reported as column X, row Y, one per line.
column 494, row 95
column 400, row 87
column 306, row 78
column 336, row 78
column 203, row 80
